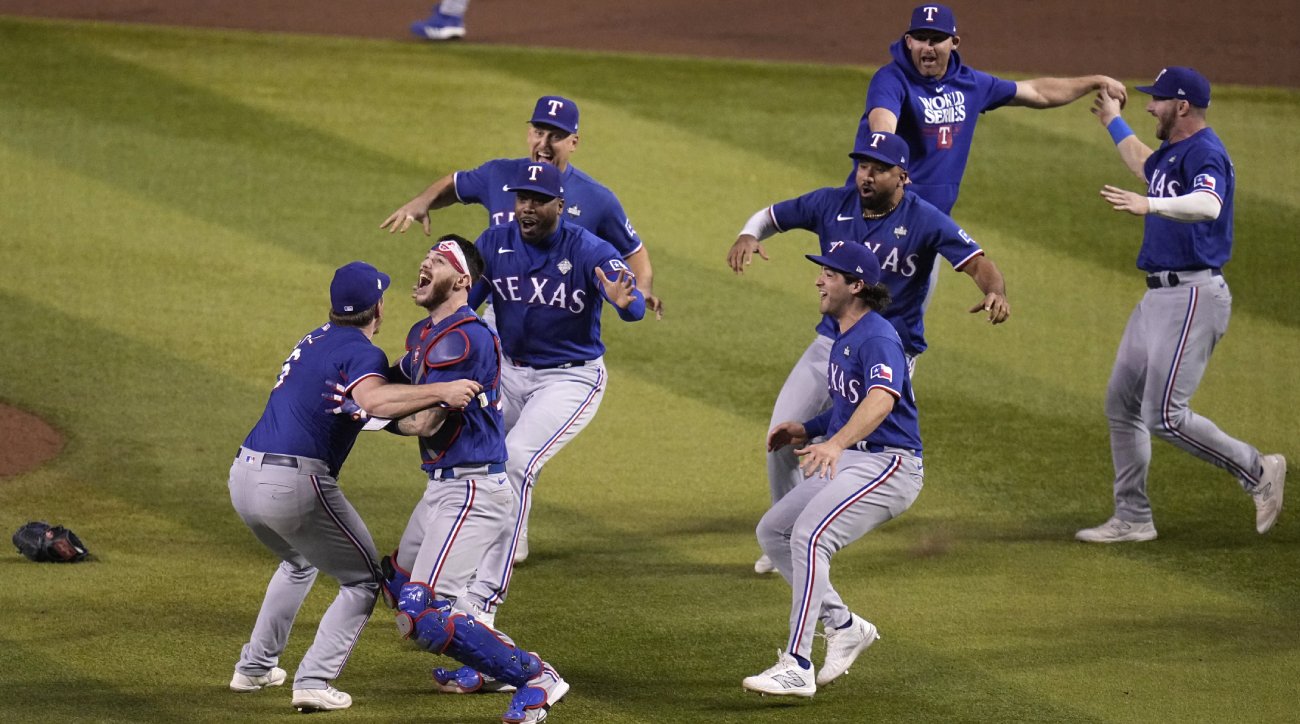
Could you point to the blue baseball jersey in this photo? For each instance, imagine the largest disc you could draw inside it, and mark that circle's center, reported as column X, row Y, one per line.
column 546, row 295
column 867, row 357
column 1198, row 163
column 908, row 241
column 936, row 116
column 587, row 203
column 297, row 420
column 459, row 347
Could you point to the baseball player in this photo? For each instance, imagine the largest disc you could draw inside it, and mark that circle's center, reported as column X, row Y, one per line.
column 547, row 278
column 445, row 22
column 468, row 500
column 927, row 96
column 552, row 138
column 1170, row 335
column 867, row 471
column 906, row 233
column 284, row 486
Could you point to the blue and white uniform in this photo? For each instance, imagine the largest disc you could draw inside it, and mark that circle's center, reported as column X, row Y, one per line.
column 284, row 486
column 1172, row 332
column 548, row 304
column 587, row 203
column 468, row 498
column 877, row 479
column 908, row 242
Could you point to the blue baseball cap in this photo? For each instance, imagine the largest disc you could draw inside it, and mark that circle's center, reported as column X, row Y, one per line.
column 1183, row 84
column 884, row 147
column 934, row 17
column 851, row 258
column 356, row 288
column 541, row 177
column 556, row 111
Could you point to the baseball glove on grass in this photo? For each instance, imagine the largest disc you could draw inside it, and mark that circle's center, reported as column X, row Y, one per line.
column 44, row 543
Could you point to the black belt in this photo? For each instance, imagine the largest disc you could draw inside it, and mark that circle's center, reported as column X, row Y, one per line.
column 284, row 461
column 1154, row 282
column 557, row 366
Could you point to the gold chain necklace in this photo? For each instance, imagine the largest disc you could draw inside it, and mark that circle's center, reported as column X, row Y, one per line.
column 881, row 215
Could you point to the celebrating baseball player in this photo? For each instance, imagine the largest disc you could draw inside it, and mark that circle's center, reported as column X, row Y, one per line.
column 927, row 96
column 552, row 138
column 906, row 233
column 866, row 472
column 547, row 279
column 468, row 500
column 283, row 485
column 1170, row 335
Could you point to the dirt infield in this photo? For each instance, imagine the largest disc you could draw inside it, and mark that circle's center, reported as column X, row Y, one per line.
column 1239, row 43
column 28, row 441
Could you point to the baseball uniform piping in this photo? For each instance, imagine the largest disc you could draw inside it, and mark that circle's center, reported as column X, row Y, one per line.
column 1165, row 420
column 528, row 485
column 374, row 572
column 362, row 377
column 772, row 215
column 817, row 532
column 963, row 262
column 355, row 638
column 890, row 390
column 455, row 531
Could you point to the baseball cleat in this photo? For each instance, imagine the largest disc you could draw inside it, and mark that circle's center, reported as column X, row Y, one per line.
column 764, row 565
column 532, row 703
column 787, row 678
column 1117, row 531
column 843, row 647
column 1268, row 494
column 521, row 549
column 307, row 701
column 468, row 681
column 439, row 26
column 244, row 684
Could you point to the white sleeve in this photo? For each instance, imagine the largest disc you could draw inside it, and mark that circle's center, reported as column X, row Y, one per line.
column 1193, row 207
column 761, row 225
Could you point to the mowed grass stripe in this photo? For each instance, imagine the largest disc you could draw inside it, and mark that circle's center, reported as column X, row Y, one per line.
column 645, row 548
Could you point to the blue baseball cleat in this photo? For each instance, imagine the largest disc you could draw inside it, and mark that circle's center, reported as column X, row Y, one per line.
column 468, row 681
column 440, row 26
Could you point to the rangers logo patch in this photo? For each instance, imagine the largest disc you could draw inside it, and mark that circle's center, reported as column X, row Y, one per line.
column 564, row 266
column 1203, row 181
column 574, row 211
column 883, row 372
column 900, row 231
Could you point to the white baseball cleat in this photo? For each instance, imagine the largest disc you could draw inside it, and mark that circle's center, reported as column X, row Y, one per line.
column 843, row 646
column 327, row 699
column 521, row 548
column 1117, row 531
column 244, row 684
column 764, row 565
column 787, row 678
column 1268, row 493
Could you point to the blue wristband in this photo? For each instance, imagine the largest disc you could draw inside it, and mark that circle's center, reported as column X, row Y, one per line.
column 1119, row 130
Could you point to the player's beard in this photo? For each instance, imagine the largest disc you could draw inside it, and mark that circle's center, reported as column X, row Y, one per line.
column 439, row 292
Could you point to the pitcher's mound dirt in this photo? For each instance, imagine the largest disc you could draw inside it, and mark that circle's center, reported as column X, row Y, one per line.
column 25, row 441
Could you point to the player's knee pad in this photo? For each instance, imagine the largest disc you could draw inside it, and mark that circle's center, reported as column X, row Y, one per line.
column 394, row 579
column 422, row 618
column 479, row 647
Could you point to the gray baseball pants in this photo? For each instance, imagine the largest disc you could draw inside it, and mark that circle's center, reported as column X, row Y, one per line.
column 452, row 527
column 819, row 517
column 1162, row 357
column 301, row 515
column 544, row 410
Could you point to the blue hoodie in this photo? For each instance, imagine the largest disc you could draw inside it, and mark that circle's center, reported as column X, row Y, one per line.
column 936, row 116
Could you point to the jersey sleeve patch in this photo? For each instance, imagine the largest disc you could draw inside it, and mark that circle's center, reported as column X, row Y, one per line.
column 1206, row 182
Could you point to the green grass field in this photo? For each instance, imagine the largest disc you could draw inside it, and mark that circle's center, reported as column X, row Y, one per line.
column 174, row 204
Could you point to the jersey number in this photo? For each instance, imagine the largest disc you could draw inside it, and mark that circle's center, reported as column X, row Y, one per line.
column 284, row 371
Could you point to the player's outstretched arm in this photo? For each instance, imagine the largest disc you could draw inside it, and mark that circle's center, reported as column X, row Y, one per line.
column 1055, row 92
column 383, row 399
column 440, row 195
column 639, row 263
column 824, row 456
column 1132, row 151
column 621, row 291
column 759, row 227
column 989, row 280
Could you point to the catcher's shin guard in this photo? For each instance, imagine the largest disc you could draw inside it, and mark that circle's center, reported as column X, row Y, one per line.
column 479, row 647
column 394, row 579
column 418, row 620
